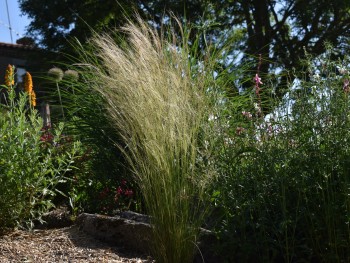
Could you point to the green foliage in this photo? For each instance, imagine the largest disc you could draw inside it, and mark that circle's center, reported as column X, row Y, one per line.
column 101, row 166
column 31, row 164
column 283, row 188
column 284, row 185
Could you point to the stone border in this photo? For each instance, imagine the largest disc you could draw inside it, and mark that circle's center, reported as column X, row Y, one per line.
column 130, row 231
column 133, row 231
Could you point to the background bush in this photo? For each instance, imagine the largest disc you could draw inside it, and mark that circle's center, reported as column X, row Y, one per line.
column 32, row 162
column 284, row 184
column 102, row 168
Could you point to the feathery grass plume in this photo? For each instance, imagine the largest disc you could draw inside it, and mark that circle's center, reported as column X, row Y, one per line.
column 71, row 75
column 10, row 76
column 156, row 95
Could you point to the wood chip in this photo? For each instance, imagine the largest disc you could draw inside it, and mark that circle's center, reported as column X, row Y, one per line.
column 61, row 245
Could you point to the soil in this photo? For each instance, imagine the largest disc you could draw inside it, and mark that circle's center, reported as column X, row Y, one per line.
column 67, row 244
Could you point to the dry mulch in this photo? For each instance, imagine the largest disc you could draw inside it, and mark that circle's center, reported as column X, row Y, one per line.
column 61, row 245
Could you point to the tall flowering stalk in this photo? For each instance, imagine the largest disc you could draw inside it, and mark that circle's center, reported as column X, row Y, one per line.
column 28, row 83
column 28, row 87
column 9, row 76
column 9, row 83
column 258, row 82
column 32, row 98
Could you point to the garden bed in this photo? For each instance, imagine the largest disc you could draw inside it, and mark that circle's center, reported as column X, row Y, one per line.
column 124, row 237
column 67, row 244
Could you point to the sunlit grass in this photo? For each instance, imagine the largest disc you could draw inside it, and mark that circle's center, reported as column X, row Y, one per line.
column 157, row 100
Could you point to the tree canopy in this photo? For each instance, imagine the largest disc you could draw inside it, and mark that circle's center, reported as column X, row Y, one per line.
column 278, row 30
column 53, row 22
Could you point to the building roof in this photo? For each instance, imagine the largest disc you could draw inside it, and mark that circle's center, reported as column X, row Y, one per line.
column 16, row 46
column 15, row 50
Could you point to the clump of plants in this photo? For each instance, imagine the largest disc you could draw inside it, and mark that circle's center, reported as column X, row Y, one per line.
column 156, row 96
column 32, row 163
column 284, row 184
column 102, row 170
column 118, row 196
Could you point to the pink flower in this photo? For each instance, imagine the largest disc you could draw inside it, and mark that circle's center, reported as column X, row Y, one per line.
column 247, row 114
column 257, row 80
column 346, row 86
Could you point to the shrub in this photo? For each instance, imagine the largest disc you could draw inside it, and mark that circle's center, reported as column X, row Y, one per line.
column 31, row 164
column 285, row 176
column 101, row 165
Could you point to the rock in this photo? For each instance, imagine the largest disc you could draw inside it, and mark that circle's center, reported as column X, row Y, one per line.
column 206, row 247
column 57, row 218
column 132, row 233
column 134, row 216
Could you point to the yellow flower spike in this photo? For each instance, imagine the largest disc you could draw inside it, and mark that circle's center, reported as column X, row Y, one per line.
column 32, row 98
column 9, row 76
column 28, row 87
column 28, row 83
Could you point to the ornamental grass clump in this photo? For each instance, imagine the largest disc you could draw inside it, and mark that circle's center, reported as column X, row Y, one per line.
column 156, row 96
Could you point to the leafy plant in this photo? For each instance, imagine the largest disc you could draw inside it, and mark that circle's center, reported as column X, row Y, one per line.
column 30, row 165
column 101, row 165
column 285, row 178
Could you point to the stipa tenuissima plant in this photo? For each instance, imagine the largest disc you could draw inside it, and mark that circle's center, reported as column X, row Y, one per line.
column 156, row 99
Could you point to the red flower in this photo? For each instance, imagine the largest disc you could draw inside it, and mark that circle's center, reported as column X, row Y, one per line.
column 47, row 135
column 119, row 190
column 128, row 193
